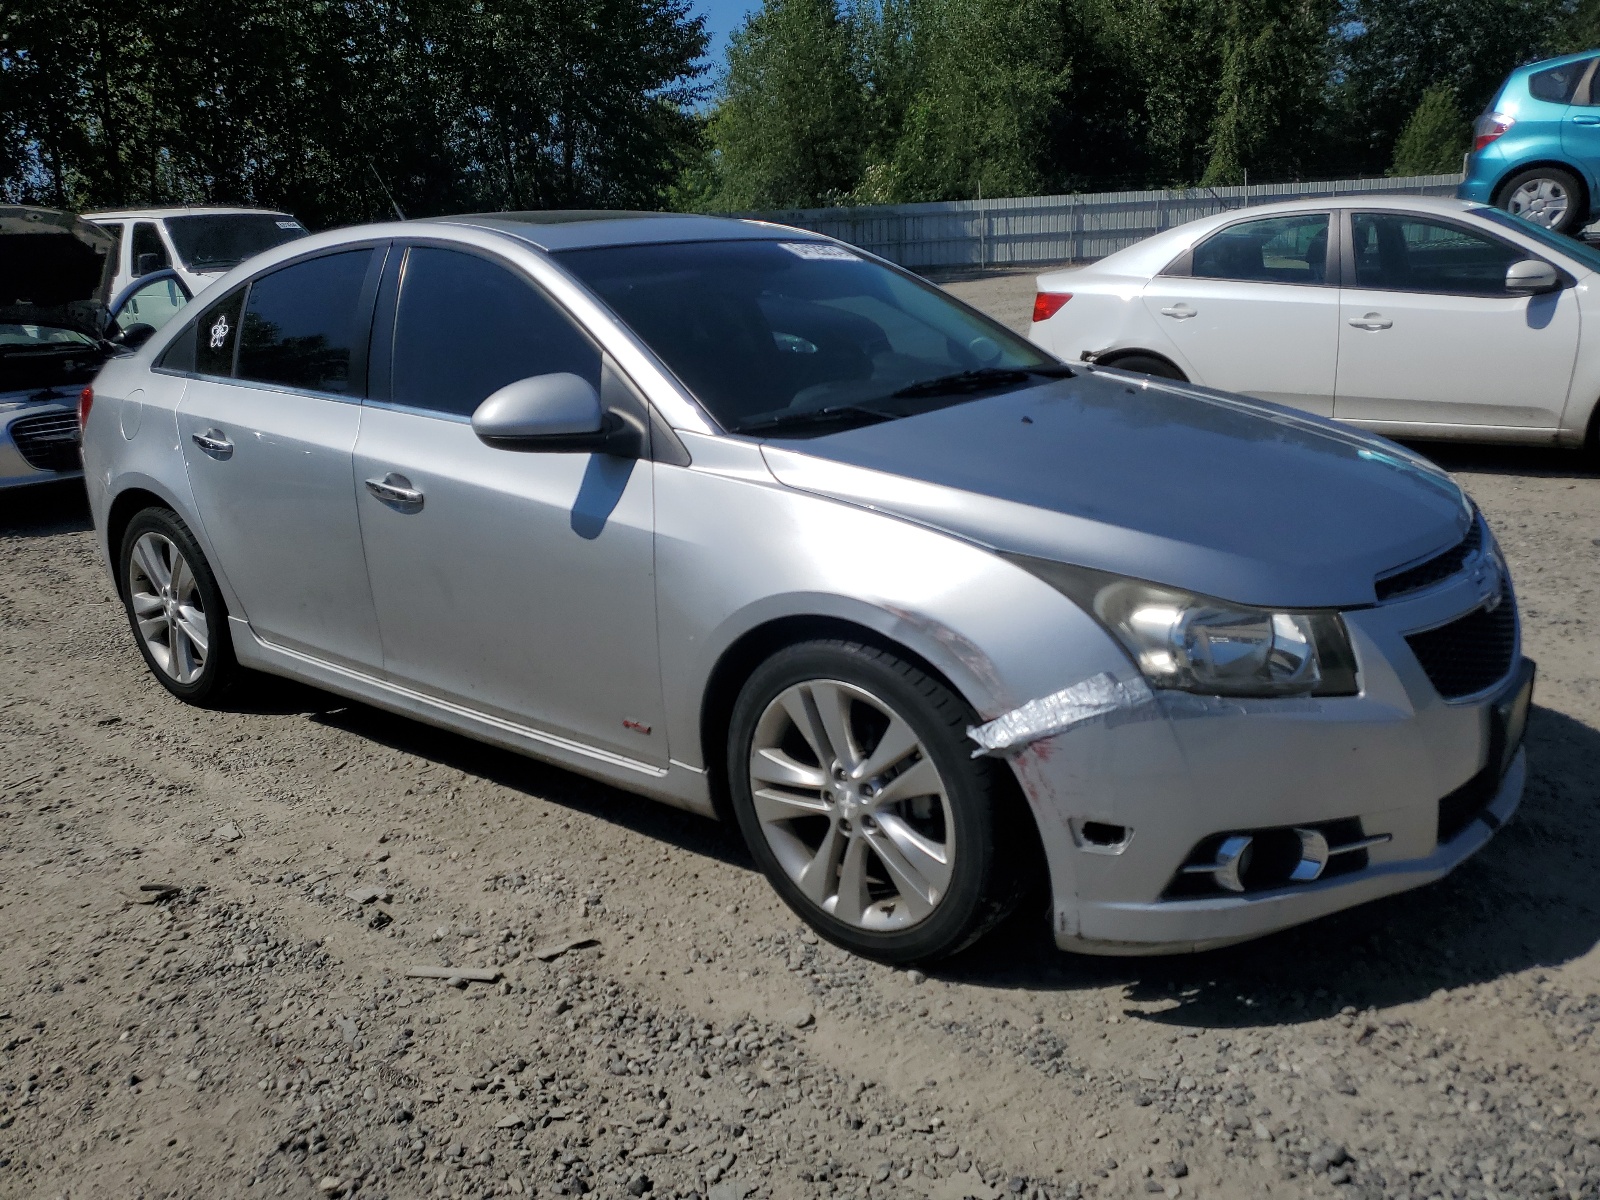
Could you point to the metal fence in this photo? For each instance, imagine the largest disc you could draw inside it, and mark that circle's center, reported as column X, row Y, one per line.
column 1053, row 229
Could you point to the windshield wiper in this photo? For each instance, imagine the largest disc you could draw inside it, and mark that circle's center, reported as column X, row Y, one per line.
column 838, row 414
column 979, row 380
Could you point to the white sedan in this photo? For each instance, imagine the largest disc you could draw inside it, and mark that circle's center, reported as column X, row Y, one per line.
column 1410, row 316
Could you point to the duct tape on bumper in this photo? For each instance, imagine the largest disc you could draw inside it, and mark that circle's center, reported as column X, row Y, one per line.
column 1049, row 715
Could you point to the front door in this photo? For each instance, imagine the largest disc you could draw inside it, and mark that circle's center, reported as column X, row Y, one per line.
column 517, row 584
column 1431, row 336
column 1251, row 310
column 268, row 429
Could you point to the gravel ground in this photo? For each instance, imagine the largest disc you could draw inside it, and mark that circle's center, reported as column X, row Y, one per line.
column 249, row 1028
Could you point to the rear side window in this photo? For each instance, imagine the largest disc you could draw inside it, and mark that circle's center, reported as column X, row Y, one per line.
column 1559, row 85
column 1410, row 254
column 304, row 324
column 466, row 327
column 1272, row 250
column 206, row 344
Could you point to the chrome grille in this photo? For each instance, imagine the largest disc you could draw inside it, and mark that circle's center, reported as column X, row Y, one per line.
column 1472, row 653
column 48, row 442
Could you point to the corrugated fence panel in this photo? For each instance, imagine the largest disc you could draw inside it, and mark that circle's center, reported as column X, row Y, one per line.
column 1053, row 229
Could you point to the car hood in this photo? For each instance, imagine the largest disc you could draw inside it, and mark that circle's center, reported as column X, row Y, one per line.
column 55, row 270
column 1174, row 484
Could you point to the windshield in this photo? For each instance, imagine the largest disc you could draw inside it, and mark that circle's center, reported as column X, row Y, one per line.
column 1571, row 247
column 807, row 335
column 218, row 241
column 33, row 337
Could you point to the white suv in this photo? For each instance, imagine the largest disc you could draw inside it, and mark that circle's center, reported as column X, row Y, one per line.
column 198, row 243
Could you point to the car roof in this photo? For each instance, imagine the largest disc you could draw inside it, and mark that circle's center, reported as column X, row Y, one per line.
column 574, row 229
column 155, row 214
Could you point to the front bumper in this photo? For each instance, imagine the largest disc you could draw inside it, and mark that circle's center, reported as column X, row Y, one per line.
column 38, row 444
column 1391, row 763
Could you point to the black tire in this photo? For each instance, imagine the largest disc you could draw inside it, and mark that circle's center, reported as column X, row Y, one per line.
column 1147, row 364
column 990, row 840
column 1576, row 215
column 219, row 670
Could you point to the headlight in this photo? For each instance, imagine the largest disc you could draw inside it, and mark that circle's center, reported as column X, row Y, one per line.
column 1198, row 644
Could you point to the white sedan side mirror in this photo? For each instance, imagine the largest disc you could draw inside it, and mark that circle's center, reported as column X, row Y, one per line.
column 1531, row 276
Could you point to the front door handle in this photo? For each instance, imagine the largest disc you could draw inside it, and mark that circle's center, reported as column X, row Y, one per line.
column 1179, row 312
column 396, row 490
column 215, row 443
column 1586, row 120
column 1372, row 321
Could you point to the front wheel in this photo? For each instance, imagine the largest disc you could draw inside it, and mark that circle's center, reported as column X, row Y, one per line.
column 1546, row 196
column 175, row 608
column 855, row 787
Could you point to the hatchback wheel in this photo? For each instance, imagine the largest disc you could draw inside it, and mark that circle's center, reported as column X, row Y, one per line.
column 1546, row 196
column 174, row 607
column 855, row 787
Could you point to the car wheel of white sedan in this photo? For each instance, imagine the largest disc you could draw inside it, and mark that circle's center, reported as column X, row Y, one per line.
column 176, row 611
column 855, row 787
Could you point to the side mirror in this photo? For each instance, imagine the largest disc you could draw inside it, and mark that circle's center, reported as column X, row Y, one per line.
column 1531, row 276
column 556, row 412
column 136, row 335
column 147, row 264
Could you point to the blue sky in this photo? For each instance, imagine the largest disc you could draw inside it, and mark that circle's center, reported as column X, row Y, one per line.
column 722, row 18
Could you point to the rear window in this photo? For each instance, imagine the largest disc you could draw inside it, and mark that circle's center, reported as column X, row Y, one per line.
column 1558, row 84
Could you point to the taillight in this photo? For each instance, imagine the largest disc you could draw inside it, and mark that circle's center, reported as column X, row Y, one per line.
column 1048, row 304
column 1489, row 127
column 85, row 403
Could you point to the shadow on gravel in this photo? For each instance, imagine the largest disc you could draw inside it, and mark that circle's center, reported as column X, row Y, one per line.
column 1542, row 461
column 685, row 830
column 44, row 509
column 1526, row 900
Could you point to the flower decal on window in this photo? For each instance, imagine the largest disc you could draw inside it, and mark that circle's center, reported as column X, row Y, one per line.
column 219, row 331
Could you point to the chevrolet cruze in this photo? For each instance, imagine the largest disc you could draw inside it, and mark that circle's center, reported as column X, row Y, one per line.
column 755, row 524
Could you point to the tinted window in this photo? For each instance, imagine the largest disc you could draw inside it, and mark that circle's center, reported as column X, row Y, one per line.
column 217, row 241
column 305, row 323
column 149, row 254
column 466, row 327
column 1412, row 254
column 216, row 333
column 1274, row 250
column 1588, row 255
column 760, row 329
column 1558, row 84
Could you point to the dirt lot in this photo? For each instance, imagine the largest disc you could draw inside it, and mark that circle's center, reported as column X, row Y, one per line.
column 253, row 1032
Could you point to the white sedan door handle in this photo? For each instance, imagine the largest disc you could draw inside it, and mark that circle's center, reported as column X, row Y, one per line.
column 396, row 490
column 1179, row 312
column 1372, row 321
column 215, row 443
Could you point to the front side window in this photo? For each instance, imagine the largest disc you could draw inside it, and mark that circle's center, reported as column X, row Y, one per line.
column 154, row 304
column 221, row 241
column 465, row 327
column 149, row 253
column 1272, row 250
column 305, row 323
column 1402, row 253
column 1558, row 85
column 768, row 333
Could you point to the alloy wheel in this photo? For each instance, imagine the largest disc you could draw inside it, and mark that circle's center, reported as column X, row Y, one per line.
column 168, row 607
column 852, row 805
column 1542, row 201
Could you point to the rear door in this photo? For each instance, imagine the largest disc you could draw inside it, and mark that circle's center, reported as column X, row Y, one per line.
column 1432, row 337
column 1252, row 309
column 516, row 583
column 268, row 429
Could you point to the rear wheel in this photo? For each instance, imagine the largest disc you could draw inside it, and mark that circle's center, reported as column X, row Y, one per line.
column 1147, row 364
column 175, row 608
column 1547, row 196
column 855, row 787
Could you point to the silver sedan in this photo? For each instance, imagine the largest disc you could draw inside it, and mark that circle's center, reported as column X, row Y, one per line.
column 750, row 522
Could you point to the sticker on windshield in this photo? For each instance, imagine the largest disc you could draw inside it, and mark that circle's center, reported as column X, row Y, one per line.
column 288, row 224
column 219, row 331
column 817, row 251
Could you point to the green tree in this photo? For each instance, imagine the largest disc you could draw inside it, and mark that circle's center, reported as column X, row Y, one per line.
column 789, row 124
column 1435, row 137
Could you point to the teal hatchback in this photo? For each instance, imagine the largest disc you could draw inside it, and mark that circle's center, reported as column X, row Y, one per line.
column 1536, row 150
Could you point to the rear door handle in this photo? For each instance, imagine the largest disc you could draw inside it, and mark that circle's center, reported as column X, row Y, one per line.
column 396, row 490
column 1372, row 321
column 1586, row 120
column 1179, row 312
column 215, row 443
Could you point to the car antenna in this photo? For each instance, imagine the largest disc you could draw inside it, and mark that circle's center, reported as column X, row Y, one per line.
column 398, row 214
